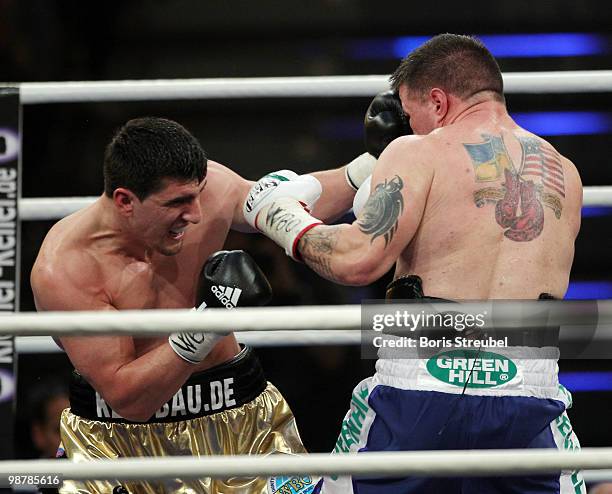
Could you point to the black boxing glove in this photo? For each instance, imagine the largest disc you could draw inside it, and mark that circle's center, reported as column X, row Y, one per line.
column 228, row 279
column 231, row 278
column 384, row 122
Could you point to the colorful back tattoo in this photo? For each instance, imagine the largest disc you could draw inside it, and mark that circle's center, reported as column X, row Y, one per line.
column 520, row 199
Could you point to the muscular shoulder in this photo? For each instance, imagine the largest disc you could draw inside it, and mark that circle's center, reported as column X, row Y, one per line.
column 224, row 182
column 409, row 155
column 225, row 187
column 406, row 162
column 66, row 276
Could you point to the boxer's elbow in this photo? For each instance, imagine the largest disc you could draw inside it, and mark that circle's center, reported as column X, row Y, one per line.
column 358, row 269
column 362, row 276
column 127, row 402
column 119, row 393
column 130, row 408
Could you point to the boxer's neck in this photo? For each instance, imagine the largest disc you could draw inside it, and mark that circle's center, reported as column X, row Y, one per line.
column 113, row 229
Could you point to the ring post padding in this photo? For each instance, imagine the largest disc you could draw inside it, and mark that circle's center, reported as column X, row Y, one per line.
column 10, row 190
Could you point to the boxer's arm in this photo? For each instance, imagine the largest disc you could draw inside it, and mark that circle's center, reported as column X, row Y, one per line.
column 337, row 196
column 238, row 222
column 134, row 386
column 384, row 122
column 362, row 252
column 231, row 189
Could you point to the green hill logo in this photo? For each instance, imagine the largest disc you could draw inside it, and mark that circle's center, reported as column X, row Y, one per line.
column 487, row 369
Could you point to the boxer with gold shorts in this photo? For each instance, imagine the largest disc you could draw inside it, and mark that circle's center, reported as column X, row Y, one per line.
column 227, row 410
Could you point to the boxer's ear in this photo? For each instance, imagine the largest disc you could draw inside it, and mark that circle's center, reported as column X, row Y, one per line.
column 124, row 200
column 439, row 100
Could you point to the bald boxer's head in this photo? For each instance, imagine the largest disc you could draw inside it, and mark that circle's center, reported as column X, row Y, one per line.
column 145, row 151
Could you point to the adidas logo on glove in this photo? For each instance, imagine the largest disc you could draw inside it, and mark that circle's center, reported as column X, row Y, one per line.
column 227, row 295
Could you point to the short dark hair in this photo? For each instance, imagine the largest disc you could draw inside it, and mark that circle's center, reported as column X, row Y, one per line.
column 147, row 150
column 461, row 65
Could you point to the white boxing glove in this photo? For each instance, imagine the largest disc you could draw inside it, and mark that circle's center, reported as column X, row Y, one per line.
column 358, row 170
column 283, row 183
column 194, row 346
column 278, row 205
column 362, row 196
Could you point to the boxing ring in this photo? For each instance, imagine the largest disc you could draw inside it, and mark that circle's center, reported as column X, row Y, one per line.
column 274, row 326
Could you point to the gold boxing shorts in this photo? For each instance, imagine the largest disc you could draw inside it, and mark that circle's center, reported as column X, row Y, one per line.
column 229, row 409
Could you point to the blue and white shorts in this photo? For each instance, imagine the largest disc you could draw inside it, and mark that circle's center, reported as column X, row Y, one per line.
column 425, row 404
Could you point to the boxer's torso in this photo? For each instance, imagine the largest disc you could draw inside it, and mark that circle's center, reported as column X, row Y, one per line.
column 87, row 255
column 490, row 226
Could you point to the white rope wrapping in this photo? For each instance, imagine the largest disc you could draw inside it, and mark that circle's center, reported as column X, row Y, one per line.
column 52, row 208
column 380, row 464
column 286, row 87
column 569, row 314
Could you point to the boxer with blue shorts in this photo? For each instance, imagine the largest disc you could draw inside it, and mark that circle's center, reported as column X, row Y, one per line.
column 408, row 406
column 479, row 209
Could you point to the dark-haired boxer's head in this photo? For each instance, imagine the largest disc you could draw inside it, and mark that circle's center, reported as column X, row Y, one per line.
column 453, row 64
column 154, row 172
column 145, row 151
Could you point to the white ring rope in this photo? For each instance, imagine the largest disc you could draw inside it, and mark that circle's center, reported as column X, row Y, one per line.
column 304, row 337
column 284, row 338
column 597, row 475
column 286, row 87
column 597, row 195
column 52, row 208
column 164, row 321
column 506, row 315
column 45, row 344
column 55, row 208
column 380, row 464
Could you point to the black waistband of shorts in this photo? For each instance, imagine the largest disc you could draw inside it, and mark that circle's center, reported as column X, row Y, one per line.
column 409, row 289
column 223, row 387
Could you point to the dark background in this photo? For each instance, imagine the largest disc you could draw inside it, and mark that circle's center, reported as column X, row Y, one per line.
column 43, row 40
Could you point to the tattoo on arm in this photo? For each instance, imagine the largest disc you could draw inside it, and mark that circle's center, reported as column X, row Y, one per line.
column 317, row 249
column 380, row 215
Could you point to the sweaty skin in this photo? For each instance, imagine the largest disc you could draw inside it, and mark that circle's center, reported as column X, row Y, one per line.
column 476, row 206
column 91, row 260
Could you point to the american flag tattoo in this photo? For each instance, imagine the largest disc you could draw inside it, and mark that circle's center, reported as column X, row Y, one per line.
column 541, row 161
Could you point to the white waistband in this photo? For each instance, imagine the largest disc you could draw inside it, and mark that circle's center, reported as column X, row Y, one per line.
column 512, row 371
